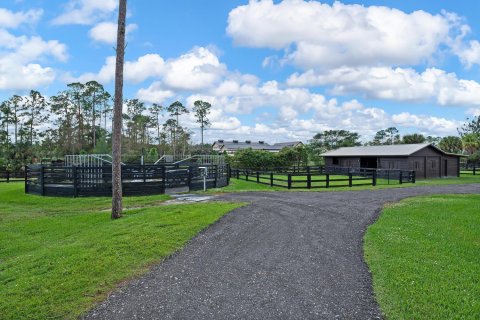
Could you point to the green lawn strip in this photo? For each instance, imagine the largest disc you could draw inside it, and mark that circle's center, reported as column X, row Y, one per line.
column 237, row 185
column 59, row 261
column 424, row 254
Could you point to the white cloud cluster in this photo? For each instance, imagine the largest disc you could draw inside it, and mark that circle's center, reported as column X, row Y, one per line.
column 85, row 12
column 323, row 36
column 9, row 19
column 20, row 56
column 106, row 32
column 195, row 70
column 398, row 84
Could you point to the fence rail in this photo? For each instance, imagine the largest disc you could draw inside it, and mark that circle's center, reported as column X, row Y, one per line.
column 11, row 176
column 470, row 168
column 77, row 181
column 322, row 177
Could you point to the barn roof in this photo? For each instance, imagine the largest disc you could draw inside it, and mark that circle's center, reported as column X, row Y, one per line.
column 396, row 150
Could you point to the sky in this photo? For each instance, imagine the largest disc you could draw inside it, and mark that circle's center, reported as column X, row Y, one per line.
column 272, row 70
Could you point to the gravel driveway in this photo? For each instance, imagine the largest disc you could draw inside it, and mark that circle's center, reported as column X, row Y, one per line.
column 287, row 255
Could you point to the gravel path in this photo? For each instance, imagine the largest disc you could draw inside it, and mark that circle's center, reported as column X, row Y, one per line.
column 285, row 256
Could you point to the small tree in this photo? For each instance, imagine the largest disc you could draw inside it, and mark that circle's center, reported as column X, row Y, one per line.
column 202, row 110
column 176, row 109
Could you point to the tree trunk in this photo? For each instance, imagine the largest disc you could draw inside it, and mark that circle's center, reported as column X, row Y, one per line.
column 117, row 115
column 93, row 121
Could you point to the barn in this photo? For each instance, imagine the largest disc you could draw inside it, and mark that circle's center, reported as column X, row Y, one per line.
column 427, row 160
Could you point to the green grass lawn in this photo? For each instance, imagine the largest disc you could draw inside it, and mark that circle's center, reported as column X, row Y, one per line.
column 59, row 256
column 424, row 255
column 242, row 185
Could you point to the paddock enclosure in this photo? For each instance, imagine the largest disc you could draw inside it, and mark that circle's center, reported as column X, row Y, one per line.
column 93, row 180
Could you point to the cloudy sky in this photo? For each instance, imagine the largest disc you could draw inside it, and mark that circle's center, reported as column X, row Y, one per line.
column 273, row 70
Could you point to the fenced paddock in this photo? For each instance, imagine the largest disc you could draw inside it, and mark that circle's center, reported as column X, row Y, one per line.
column 82, row 181
column 323, row 177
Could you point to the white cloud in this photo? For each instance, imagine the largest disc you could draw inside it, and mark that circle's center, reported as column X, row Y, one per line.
column 9, row 19
column 200, row 68
column 322, row 36
column 86, row 12
column 399, row 84
column 145, row 67
column 106, row 32
column 20, row 58
column 428, row 124
column 196, row 70
column 154, row 94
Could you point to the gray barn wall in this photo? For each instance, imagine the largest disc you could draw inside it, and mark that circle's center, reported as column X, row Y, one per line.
column 428, row 163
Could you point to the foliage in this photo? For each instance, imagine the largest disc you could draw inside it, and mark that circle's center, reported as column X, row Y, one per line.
column 78, row 121
column 60, row 255
column 470, row 126
column 423, row 255
column 202, row 110
column 471, row 142
column 451, row 144
column 334, row 139
column 386, row 137
column 413, row 138
column 264, row 160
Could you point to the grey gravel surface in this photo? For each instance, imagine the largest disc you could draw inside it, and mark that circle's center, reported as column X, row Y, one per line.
column 285, row 256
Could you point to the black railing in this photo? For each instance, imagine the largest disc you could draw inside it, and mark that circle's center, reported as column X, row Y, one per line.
column 11, row 176
column 469, row 168
column 323, row 177
column 76, row 181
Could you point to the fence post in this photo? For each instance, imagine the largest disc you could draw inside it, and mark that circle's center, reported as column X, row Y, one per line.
column 164, row 178
column 246, row 175
column 474, row 172
column 26, row 179
column 238, row 173
column 350, row 182
column 189, row 177
column 400, row 177
column 8, row 176
column 258, row 177
column 374, row 178
column 271, row 179
column 144, row 174
column 42, row 182
column 309, row 180
column 327, row 181
column 75, row 182
column 216, row 174
column 289, row 182
column 413, row 176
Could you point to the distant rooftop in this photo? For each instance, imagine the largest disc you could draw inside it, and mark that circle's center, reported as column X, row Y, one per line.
column 254, row 145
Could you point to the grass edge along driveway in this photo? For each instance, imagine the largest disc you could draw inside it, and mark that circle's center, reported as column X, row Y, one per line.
column 423, row 254
column 59, row 256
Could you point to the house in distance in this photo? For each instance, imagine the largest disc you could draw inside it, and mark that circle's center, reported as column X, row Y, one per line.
column 230, row 147
column 427, row 160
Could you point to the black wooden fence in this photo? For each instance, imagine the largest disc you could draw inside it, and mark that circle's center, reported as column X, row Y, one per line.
column 11, row 176
column 77, row 181
column 469, row 168
column 322, row 177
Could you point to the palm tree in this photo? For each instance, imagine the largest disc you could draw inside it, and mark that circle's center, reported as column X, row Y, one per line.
column 117, row 114
column 451, row 144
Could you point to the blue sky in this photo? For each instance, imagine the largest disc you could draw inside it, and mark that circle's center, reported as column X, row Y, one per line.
column 273, row 70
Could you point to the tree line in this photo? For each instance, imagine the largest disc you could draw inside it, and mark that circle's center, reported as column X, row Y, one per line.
column 77, row 120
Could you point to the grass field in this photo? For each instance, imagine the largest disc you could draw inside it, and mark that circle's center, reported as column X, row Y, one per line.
column 58, row 256
column 424, row 255
column 237, row 185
